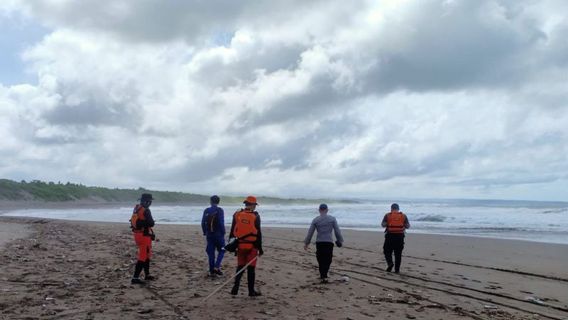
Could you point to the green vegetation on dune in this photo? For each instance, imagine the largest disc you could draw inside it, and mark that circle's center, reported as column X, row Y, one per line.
column 59, row 192
column 69, row 192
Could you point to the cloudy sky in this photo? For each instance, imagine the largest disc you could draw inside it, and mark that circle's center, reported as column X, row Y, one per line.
column 372, row 99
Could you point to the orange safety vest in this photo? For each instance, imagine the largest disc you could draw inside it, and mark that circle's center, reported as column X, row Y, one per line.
column 137, row 214
column 245, row 229
column 395, row 222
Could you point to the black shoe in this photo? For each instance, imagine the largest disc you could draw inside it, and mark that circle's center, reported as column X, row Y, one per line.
column 218, row 272
column 235, row 291
column 324, row 280
column 255, row 294
column 389, row 268
column 396, row 271
column 137, row 281
column 149, row 278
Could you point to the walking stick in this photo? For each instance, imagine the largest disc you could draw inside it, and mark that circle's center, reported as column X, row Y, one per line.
column 231, row 278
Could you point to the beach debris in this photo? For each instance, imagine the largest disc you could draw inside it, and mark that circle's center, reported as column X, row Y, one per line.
column 490, row 307
column 145, row 311
column 344, row 279
column 409, row 316
column 373, row 300
column 49, row 298
column 535, row 300
column 493, row 287
column 390, row 299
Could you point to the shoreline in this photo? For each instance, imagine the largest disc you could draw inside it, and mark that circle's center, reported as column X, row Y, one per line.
column 86, row 268
column 298, row 226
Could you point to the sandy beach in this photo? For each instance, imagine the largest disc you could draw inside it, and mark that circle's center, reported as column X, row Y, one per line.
column 79, row 270
column 12, row 231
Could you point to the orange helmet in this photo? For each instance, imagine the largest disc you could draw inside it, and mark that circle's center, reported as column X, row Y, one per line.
column 250, row 200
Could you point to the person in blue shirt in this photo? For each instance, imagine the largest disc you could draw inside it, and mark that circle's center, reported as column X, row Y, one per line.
column 213, row 225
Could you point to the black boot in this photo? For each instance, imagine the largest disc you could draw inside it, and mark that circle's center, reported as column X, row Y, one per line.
column 137, row 269
column 397, row 261
column 147, row 275
column 251, row 275
column 235, row 289
column 388, row 258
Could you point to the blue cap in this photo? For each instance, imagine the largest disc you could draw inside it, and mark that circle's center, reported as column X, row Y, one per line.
column 323, row 206
column 395, row 206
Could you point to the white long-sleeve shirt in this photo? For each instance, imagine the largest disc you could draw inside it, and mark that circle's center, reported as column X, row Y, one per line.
column 324, row 224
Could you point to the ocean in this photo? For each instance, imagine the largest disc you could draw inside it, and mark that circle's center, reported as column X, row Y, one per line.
column 521, row 220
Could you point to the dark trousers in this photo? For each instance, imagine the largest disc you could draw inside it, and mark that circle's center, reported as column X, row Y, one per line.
column 324, row 254
column 394, row 242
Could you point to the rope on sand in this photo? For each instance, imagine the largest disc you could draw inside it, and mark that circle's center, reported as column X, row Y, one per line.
column 231, row 278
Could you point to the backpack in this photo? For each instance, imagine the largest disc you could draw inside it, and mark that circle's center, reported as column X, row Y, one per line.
column 137, row 214
column 213, row 221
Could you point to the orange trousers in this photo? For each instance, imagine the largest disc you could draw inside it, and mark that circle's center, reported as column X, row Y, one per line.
column 245, row 256
column 144, row 244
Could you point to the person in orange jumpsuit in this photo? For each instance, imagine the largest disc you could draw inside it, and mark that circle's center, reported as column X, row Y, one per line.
column 142, row 223
column 246, row 228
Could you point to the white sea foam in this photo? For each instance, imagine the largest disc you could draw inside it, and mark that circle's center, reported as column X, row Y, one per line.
column 526, row 220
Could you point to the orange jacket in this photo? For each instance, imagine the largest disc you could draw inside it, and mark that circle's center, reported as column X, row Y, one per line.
column 396, row 222
column 245, row 228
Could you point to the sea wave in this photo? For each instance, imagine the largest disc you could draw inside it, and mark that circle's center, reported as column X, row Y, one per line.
column 499, row 222
column 432, row 218
column 561, row 210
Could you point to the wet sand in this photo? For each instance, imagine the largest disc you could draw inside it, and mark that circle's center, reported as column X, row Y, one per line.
column 82, row 270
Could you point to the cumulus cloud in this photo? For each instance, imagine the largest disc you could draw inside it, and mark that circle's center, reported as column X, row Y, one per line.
column 361, row 99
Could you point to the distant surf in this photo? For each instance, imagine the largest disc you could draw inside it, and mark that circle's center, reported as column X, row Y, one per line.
column 508, row 220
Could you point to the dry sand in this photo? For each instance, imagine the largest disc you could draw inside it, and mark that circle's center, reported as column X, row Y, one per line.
column 80, row 270
column 12, row 231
